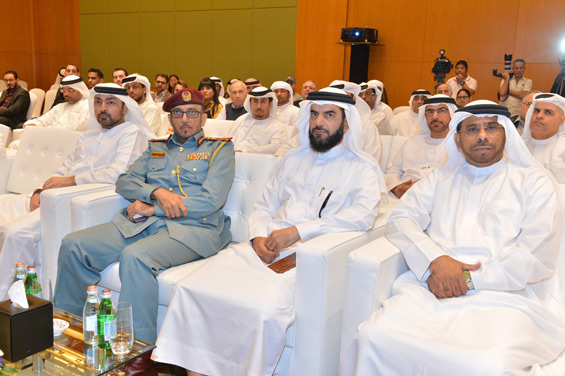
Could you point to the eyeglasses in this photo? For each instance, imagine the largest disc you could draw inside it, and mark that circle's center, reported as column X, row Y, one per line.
column 161, row 82
column 463, row 97
column 9, row 80
column 440, row 111
column 527, row 103
column 473, row 130
column 176, row 113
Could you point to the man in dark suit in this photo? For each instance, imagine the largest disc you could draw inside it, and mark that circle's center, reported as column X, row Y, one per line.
column 14, row 102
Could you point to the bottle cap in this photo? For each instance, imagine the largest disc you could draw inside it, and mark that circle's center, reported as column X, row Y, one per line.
column 106, row 293
column 21, row 264
column 31, row 269
column 92, row 287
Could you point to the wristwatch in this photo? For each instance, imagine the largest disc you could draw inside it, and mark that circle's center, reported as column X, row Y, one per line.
column 468, row 279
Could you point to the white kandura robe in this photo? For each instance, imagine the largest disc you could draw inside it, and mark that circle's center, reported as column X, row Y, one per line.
column 406, row 124
column 387, row 110
column 378, row 117
column 257, row 136
column 99, row 156
column 508, row 218
column 287, row 114
column 415, row 159
column 230, row 316
column 550, row 153
column 152, row 115
column 71, row 117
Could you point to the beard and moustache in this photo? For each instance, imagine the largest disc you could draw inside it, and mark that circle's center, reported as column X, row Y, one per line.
column 322, row 145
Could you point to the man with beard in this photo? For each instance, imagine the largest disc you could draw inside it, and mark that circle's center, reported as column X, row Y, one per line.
column 139, row 89
column 14, row 102
column 259, row 130
column 177, row 190
column 406, row 123
column 422, row 153
column 116, row 136
column 326, row 184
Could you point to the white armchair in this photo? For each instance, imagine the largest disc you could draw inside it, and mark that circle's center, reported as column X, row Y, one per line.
column 313, row 343
column 371, row 272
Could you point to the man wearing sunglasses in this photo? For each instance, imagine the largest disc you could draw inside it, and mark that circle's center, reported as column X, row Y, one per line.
column 177, row 190
column 422, row 153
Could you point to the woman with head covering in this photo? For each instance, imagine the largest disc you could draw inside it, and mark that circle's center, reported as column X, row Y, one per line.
column 212, row 105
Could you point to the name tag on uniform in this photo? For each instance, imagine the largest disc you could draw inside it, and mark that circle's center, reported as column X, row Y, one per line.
column 157, row 154
column 196, row 156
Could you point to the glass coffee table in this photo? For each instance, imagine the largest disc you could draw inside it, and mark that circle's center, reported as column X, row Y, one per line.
column 70, row 356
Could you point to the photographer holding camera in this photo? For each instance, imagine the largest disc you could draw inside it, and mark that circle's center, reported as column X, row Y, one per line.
column 513, row 89
column 462, row 80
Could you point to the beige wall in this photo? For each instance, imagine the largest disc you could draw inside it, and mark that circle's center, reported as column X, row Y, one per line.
column 480, row 32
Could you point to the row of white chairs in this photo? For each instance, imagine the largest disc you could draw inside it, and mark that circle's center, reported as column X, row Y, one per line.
column 313, row 343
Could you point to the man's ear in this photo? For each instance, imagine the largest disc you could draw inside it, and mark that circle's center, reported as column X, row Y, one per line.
column 345, row 125
column 457, row 138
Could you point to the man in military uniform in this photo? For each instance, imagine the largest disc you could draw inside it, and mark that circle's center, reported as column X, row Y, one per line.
column 177, row 190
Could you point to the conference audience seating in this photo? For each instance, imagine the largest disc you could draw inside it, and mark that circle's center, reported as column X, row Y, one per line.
column 312, row 346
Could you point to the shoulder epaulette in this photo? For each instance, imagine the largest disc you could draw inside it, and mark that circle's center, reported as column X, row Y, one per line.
column 161, row 139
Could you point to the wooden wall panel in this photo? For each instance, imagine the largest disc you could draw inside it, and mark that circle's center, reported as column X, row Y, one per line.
column 38, row 38
column 318, row 27
column 480, row 32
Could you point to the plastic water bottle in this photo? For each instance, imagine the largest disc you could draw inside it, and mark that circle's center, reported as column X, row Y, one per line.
column 20, row 272
column 32, row 285
column 90, row 316
column 106, row 320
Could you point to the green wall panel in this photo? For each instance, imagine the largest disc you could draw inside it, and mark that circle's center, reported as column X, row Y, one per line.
column 94, row 43
column 93, row 6
column 273, row 54
column 193, row 45
column 125, row 41
column 232, row 55
column 193, row 39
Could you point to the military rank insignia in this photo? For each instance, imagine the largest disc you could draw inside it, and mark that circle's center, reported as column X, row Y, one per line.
column 186, row 96
column 157, row 154
column 196, row 156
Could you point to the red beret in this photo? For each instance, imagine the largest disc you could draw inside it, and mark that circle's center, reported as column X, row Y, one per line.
column 184, row 96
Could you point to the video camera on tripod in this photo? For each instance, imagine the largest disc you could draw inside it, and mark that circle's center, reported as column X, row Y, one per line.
column 441, row 67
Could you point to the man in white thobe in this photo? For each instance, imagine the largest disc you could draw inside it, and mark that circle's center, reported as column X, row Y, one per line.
column 230, row 316
column 481, row 237
column 258, row 131
column 544, row 134
column 70, row 115
column 139, row 89
column 382, row 105
column 117, row 135
column 371, row 137
column 406, row 123
column 372, row 96
column 287, row 113
column 424, row 152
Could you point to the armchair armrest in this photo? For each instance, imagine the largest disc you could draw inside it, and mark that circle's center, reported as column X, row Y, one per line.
column 371, row 272
column 5, row 168
column 320, row 289
column 96, row 208
column 56, row 222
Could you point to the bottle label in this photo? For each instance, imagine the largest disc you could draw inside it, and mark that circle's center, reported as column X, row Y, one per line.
column 90, row 323
column 110, row 330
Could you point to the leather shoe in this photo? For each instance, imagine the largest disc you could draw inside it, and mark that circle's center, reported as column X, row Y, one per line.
column 142, row 365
